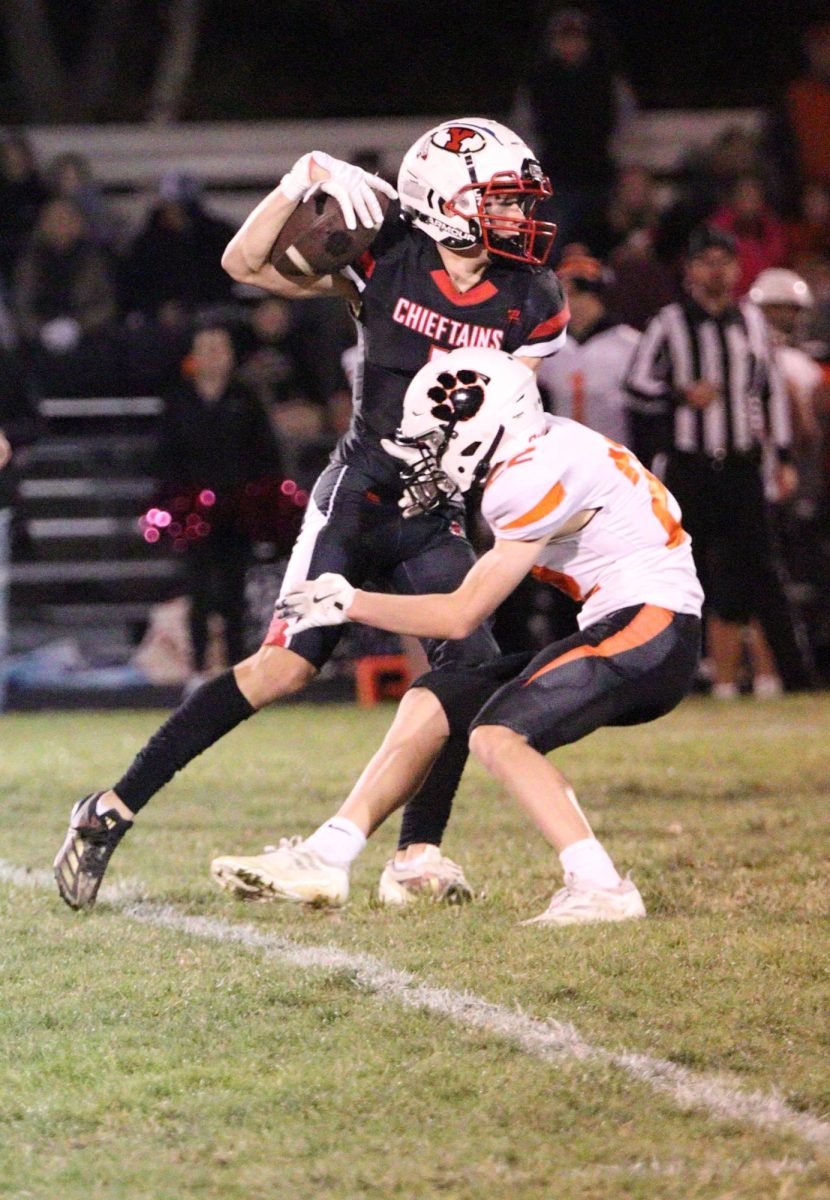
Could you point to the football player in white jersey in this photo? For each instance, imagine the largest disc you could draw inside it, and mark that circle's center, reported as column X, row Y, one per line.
column 585, row 380
column 581, row 513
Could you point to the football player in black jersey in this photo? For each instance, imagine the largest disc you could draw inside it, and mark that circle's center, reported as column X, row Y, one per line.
column 459, row 261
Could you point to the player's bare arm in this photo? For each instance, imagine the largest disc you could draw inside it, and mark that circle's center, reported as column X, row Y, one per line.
column 331, row 600
column 246, row 257
column 454, row 614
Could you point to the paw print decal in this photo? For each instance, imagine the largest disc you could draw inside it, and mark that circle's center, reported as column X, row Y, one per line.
column 458, row 397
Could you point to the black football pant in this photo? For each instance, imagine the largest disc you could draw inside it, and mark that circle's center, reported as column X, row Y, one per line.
column 630, row 667
column 725, row 512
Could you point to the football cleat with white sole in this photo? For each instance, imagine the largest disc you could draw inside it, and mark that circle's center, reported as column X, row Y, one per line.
column 284, row 872
column 80, row 863
column 431, row 877
column 575, row 904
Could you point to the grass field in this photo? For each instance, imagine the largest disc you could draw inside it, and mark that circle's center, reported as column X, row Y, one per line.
column 176, row 1044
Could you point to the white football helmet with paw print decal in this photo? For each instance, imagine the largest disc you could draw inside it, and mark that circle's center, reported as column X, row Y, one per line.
column 462, row 413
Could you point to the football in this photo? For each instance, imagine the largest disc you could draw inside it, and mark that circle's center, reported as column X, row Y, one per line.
column 315, row 241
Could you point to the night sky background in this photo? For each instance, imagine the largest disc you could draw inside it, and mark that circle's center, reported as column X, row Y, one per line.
column 317, row 58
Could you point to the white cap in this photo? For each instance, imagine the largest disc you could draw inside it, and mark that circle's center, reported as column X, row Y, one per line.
column 777, row 285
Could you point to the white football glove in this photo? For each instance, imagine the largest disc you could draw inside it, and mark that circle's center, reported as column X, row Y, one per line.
column 352, row 187
column 323, row 601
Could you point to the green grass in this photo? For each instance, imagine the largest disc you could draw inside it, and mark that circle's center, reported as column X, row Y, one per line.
column 142, row 1063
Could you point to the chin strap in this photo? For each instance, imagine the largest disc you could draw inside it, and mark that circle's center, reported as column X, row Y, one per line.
column 483, row 468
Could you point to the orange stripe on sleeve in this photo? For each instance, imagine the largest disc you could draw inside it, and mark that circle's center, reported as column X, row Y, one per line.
column 546, row 505
column 649, row 621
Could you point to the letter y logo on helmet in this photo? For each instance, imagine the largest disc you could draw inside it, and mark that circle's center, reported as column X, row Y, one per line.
column 458, row 139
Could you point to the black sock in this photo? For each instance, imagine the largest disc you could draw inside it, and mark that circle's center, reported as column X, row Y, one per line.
column 425, row 816
column 213, row 710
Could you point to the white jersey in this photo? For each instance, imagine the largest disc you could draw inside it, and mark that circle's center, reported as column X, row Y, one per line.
column 613, row 531
column 585, row 380
column 802, row 376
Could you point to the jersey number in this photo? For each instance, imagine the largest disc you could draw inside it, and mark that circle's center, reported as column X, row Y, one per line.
column 634, row 471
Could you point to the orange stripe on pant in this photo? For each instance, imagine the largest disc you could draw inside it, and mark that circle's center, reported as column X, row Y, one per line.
column 649, row 621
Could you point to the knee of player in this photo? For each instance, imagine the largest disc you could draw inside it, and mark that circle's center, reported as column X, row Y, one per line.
column 492, row 744
column 421, row 713
column 271, row 673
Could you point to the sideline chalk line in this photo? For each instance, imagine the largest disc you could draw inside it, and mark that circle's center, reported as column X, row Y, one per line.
column 545, row 1039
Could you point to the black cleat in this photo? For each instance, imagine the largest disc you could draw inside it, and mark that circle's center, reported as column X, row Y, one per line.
column 82, row 859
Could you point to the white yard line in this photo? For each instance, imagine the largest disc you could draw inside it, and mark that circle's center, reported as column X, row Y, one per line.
column 547, row 1040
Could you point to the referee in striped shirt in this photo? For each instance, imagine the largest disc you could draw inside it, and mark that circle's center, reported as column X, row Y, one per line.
column 705, row 372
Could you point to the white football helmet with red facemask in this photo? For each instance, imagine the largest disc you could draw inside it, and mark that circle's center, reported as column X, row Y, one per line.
column 462, row 413
column 474, row 182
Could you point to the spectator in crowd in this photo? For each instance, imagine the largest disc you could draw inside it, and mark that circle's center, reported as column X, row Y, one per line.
column 18, row 428
column 214, row 440
column 175, row 259
column 785, row 298
column 69, row 176
column 786, row 302
column 815, row 271
column 758, row 233
column 576, row 104
column 325, row 330
column 706, row 178
column 586, row 379
column 65, row 303
column 22, row 193
column 708, row 363
column 809, row 234
column 269, row 362
column 641, row 283
column 273, row 367
column 632, row 212
column 798, row 130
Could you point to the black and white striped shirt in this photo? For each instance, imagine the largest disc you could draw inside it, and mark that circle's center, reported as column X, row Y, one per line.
column 684, row 344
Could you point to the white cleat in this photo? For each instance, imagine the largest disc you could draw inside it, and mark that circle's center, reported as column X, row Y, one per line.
column 284, row 872
column 431, row 877
column 576, row 904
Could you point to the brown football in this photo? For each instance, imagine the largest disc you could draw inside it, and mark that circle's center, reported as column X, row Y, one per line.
column 315, row 241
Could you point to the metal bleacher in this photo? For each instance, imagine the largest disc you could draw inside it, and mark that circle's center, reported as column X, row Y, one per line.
column 82, row 571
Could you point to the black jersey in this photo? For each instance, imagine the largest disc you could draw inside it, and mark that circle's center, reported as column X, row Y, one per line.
column 410, row 311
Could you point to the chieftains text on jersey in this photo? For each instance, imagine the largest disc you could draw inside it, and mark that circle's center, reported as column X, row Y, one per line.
column 439, row 328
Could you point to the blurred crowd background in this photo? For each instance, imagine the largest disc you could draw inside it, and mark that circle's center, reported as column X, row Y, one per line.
column 128, row 302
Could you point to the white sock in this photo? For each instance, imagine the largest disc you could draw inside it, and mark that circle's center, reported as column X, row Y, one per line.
column 338, row 842
column 589, row 863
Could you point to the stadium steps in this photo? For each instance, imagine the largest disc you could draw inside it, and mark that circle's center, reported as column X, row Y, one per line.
column 81, row 569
